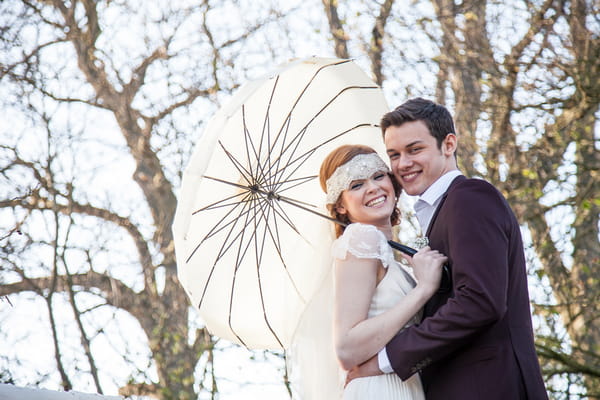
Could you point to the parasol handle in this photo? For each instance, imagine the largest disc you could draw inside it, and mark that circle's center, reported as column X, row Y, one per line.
column 400, row 247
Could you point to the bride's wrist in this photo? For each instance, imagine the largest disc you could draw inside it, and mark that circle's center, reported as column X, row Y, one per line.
column 426, row 290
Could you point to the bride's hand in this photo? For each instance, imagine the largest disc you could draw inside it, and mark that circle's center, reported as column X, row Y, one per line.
column 368, row 368
column 427, row 266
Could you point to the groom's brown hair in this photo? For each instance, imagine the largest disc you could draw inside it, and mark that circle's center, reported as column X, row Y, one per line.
column 437, row 118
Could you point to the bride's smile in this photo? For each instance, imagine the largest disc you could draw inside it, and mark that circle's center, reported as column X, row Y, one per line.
column 377, row 201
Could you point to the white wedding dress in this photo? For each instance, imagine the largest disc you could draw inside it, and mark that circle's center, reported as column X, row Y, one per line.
column 366, row 241
column 311, row 360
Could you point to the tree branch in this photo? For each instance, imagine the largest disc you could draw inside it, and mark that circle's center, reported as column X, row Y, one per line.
column 336, row 28
column 378, row 32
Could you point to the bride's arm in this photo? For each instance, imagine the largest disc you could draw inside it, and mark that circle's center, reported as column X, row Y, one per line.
column 357, row 338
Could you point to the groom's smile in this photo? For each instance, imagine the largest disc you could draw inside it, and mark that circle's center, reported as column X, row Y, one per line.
column 409, row 176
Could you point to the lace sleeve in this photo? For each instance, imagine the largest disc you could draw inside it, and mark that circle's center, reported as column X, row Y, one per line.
column 363, row 241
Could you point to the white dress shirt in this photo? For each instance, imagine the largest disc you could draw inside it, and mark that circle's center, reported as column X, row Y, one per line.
column 425, row 207
column 428, row 202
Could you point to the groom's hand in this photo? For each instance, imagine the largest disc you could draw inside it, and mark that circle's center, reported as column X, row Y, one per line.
column 368, row 368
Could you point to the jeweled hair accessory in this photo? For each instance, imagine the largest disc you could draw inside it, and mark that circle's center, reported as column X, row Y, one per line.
column 362, row 166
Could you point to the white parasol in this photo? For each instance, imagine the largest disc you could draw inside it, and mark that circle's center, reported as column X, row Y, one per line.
column 249, row 255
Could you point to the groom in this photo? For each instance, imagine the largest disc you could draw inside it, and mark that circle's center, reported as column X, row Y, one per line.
column 476, row 338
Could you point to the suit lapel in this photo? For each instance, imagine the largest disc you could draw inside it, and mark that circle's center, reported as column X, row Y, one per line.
column 439, row 243
column 459, row 178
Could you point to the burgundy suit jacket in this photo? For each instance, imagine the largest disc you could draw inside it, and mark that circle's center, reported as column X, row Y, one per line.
column 476, row 340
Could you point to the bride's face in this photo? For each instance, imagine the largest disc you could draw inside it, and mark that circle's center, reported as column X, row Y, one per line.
column 369, row 201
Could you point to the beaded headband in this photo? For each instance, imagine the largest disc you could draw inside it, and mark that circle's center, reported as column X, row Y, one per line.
column 362, row 166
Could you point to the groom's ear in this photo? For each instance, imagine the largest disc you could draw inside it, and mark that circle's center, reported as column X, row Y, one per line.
column 449, row 144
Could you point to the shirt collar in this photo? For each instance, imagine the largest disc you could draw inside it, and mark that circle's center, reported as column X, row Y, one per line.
column 439, row 187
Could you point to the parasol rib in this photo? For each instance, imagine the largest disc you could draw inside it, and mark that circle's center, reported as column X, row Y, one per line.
column 302, row 132
column 266, row 130
column 243, row 171
column 309, row 83
column 258, row 264
column 288, row 117
column 275, row 237
column 301, row 159
column 221, row 203
column 239, row 258
column 213, row 230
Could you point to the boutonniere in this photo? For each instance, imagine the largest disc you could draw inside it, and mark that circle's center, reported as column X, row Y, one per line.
column 420, row 242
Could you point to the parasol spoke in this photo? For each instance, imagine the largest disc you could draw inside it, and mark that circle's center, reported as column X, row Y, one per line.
column 303, row 92
column 298, row 98
column 298, row 204
column 305, row 157
column 276, row 240
column 294, row 202
column 247, row 223
column 263, row 168
column 216, row 205
column 276, row 163
column 248, row 146
column 222, row 226
column 266, row 130
column 237, row 185
column 271, row 211
column 213, row 231
column 281, row 213
column 297, row 139
column 241, row 169
column 270, row 177
column 239, row 258
column 227, row 244
column 221, row 203
column 298, row 182
column 259, row 256
column 242, row 250
column 269, row 194
column 286, row 122
column 303, row 131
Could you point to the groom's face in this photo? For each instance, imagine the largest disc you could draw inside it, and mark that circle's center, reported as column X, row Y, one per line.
column 415, row 157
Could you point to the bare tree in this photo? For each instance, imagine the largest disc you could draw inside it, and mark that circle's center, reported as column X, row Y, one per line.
column 101, row 91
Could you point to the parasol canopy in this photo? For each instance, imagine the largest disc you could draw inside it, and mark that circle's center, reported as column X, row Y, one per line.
column 250, row 251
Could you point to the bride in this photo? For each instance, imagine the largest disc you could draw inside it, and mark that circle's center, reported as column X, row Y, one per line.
column 374, row 296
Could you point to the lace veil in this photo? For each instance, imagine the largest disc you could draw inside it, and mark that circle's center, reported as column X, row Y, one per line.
column 311, row 361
